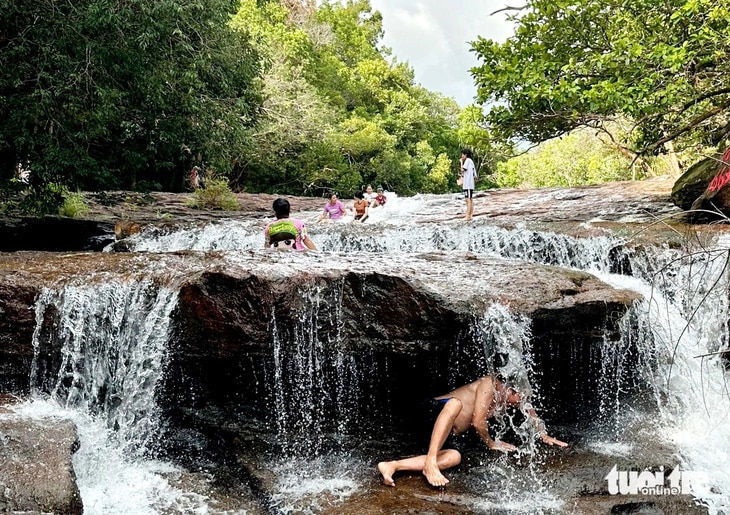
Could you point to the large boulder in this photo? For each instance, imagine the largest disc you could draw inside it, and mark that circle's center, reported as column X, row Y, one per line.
column 245, row 319
column 693, row 183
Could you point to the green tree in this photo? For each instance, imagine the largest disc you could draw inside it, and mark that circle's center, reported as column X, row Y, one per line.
column 108, row 94
column 576, row 63
column 338, row 113
column 571, row 160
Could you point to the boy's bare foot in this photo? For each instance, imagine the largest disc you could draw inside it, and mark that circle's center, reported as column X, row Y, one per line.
column 433, row 474
column 387, row 469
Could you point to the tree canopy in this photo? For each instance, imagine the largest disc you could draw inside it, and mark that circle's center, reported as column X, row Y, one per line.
column 573, row 63
column 339, row 112
column 277, row 96
column 122, row 94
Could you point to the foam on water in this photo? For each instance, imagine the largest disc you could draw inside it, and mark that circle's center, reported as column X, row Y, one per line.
column 307, row 486
column 111, row 480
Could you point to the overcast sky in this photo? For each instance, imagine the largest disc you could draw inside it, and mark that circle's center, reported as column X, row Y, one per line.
column 433, row 37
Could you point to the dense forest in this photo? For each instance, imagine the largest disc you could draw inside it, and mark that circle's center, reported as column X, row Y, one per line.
column 301, row 97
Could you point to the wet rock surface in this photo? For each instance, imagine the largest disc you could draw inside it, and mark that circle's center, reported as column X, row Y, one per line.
column 215, row 399
column 36, row 473
column 227, row 300
column 641, row 210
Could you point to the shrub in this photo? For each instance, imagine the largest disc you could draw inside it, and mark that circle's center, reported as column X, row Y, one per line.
column 44, row 199
column 73, row 205
column 215, row 195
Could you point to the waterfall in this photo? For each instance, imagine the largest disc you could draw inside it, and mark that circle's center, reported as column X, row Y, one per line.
column 675, row 330
column 660, row 377
column 318, row 385
column 519, row 243
column 686, row 314
column 113, row 339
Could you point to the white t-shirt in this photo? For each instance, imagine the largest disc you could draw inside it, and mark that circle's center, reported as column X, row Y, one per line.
column 470, row 174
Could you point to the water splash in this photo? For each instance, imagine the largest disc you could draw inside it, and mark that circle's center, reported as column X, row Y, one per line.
column 111, row 480
column 112, row 340
column 318, row 385
column 392, row 236
column 307, row 486
column 684, row 321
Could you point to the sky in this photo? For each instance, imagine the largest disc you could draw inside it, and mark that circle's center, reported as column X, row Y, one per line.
column 433, row 37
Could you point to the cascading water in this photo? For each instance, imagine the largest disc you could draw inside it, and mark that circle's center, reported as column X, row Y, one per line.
column 686, row 313
column 318, row 386
column 675, row 330
column 113, row 339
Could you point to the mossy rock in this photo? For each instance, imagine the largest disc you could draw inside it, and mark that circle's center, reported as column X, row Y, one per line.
column 692, row 183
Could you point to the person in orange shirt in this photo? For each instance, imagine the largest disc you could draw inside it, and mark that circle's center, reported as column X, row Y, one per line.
column 361, row 207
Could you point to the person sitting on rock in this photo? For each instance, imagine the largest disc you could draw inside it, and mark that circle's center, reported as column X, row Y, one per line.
column 286, row 233
column 467, row 406
column 333, row 210
column 361, row 207
column 380, row 199
column 369, row 194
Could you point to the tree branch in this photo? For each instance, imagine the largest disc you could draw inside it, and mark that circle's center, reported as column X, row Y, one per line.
column 694, row 123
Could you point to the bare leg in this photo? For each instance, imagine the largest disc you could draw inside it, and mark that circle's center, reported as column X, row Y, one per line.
column 469, row 209
column 445, row 459
column 441, row 429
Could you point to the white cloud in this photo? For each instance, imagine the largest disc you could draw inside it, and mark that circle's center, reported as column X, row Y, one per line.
column 434, row 37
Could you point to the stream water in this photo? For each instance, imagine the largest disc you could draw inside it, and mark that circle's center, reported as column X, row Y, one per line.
column 114, row 339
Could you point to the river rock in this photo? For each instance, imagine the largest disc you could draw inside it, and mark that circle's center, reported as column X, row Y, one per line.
column 693, row 183
column 36, row 473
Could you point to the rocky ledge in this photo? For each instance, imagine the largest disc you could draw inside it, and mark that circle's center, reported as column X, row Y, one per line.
column 641, row 210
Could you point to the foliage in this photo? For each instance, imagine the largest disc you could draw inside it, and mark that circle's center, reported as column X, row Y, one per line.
column 215, row 195
column 338, row 113
column 98, row 94
column 73, row 205
column 575, row 159
column 44, row 200
column 578, row 63
column 284, row 97
column 437, row 180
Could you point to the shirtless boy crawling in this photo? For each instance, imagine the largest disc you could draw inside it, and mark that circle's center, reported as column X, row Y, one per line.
column 468, row 406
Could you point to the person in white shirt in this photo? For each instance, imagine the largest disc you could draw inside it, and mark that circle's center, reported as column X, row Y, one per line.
column 469, row 177
column 369, row 194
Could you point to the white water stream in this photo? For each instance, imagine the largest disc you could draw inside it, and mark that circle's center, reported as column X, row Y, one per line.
column 682, row 321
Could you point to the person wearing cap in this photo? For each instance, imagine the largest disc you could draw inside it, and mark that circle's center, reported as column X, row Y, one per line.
column 380, row 199
column 469, row 406
column 286, row 233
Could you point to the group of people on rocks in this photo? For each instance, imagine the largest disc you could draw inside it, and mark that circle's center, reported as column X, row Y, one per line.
column 363, row 202
column 287, row 233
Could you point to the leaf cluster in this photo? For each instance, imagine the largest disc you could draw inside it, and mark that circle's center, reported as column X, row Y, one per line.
column 574, row 63
column 339, row 112
column 101, row 94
